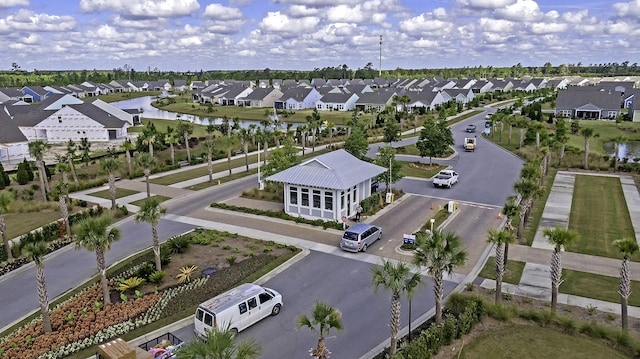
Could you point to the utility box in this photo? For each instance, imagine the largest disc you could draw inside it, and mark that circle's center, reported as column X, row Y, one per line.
column 389, row 197
column 452, row 207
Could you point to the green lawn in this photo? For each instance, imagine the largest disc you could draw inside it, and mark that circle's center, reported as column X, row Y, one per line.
column 513, row 274
column 606, row 131
column 222, row 180
column 140, row 202
column 420, row 170
column 532, row 341
column 599, row 214
column 596, row 286
column 161, row 126
column 120, row 192
column 21, row 223
column 537, row 209
column 121, row 96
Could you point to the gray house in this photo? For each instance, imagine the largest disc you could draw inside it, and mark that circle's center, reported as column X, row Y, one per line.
column 327, row 187
column 337, row 102
column 588, row 103
column 260, row 97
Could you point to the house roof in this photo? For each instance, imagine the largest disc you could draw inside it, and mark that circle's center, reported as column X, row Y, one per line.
column 380, row 97
column 99, row 115
column 337, row 97
column 259, row 93
column 9, row 131
column 337, row 170
column 296, row 93
column 576, row 97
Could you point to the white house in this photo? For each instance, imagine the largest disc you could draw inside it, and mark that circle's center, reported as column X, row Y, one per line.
column 328, row 186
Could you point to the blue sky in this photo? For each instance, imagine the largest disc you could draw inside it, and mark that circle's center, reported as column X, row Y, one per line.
column 192, row 35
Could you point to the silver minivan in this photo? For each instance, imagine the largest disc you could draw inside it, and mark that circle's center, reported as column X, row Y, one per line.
column 360, row 236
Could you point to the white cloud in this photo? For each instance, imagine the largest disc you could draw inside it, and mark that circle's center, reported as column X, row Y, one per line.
column 191, row 41
column 425, row 43
column 27, row 20
column 548, row 28
column 223, row 27
column 144, row 8
column 486, row 4
column 12, row 3
column 580, row 17
column 220, row 12
column 523, row 10
column 496, row 25
column 302, row 11
column 106, row 32
column 281, row 23
column 425, row 24
column 630, row 9
column 247, row 53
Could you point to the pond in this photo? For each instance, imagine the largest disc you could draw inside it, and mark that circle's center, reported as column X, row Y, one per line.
column 630, row 150
column 148, row 111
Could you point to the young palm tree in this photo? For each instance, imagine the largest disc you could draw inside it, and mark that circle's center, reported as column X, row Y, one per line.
column 149, row 140
column 109, row 166
column 36, row 252
column 330, row 127
column 5, row 203
column 146, row 161
column 128, row 146
column 323, row 318
column 397, row 279
column 245, row 137
column 510, row 210
column 60, row 189
column 220, row 344
column 228, row 143
column 627, row 247
column 37, row 149
column 441, row 253
column 560, row 238
column 71, row 154
column 528, row 190
column 93, row 234
column 587, row 133
column 500, row 238
column 151, row 212
column 172, row 140
column 185, row 129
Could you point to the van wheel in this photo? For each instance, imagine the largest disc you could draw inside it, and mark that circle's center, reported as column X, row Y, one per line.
column 364, row 248
column 234, row 332
column 275, row 310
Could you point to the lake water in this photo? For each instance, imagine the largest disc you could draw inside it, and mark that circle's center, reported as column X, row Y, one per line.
column 628, row 150
column 148, row 111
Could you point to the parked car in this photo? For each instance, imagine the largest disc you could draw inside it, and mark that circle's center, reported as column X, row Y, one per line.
column 445, row 178
column 359, row 237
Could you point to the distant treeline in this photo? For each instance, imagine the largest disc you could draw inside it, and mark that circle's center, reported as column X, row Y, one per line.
column 18, row 77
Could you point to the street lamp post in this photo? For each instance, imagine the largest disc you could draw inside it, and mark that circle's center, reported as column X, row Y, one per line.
column 380, row 64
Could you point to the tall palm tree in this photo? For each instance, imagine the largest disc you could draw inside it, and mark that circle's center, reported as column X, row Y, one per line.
column 172, row 140
column 37, row 150
column 500, row 238
column 560, row 238
column 146, row 161
column 440, row 253
column 129, row 146
column 397, row 279
column 36, row 252
column 330, row 127
column 60, row 189
column 151, row 212
column 618, row 141
column 510, row 210
column 562, row 137
column 587, row 133
column 109, row 166
column 71, row 154
column 245, row 137
column 323, row 318
column 185, row 129
column 63, row 168
column 628, row 247
column 220, row 344
column 209, row 146
column 149, row 140
column 303, row 136
column 228, row 143
column 5, row 203
column 93, row 234
column 528, row 190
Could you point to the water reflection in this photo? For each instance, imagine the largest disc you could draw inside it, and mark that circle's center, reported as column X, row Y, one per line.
column 148, row 111
column 630, row 150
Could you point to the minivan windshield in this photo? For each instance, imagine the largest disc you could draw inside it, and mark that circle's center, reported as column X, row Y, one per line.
column 350, row 236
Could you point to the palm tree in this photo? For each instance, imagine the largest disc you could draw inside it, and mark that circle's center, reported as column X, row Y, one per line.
column 500, row 238
column 228, row 143
column 36, row 252
column 5, row 203
column 60, row 189
column 510, row 210
column 185, row 129
column 330, row 126
column 71, row 154
column 587, row 133
column 149, row 140
column 151, row 212
column 441, row 253
column 93, row 234
column 324, row 317
column 109, row 166
column 303, row 136
column 627, row 247
column 146, row 161
column 37, row 149
column 63, row 168
column 528, row 190
column 397, row 279
column 209, row 146
column 220, row 344
column 128, row 146
column 245, row 137
column 172, row 139
column 618, row 141
column 560, row 238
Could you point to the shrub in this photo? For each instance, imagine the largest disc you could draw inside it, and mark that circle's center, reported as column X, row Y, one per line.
column 130, row 284
column 231, row 259
column 146, row 270
column 123, row 210
column 178, row 244
column 185, row 274
column 157, row 276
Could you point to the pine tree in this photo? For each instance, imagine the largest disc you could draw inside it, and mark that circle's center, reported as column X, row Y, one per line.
column 22, row 176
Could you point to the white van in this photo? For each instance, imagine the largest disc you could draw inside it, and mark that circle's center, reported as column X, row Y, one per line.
column 237, row 309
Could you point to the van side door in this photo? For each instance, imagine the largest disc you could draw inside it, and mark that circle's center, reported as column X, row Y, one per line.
column 266, row 304
column 249, row 313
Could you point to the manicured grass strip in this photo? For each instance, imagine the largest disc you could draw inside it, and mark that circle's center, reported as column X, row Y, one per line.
column 463, row 117
column 537, row 209
column 512, row 276
column 21, row 223
column 421, row 170
column 528, row 341
column 599, row 214
column 120, row 192
column 596, row 286
column 140, row 202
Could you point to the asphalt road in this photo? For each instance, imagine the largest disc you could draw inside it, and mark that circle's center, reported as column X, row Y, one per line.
column 344, row 283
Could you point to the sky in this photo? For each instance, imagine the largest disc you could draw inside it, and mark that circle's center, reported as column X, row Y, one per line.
column 193, row 35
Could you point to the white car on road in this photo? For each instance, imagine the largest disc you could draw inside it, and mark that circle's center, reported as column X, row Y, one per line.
column 445, row 178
